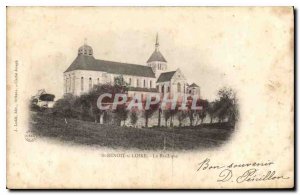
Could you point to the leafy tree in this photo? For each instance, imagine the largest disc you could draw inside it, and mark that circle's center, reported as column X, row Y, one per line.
column 203, row 112
column 85, row 106
column 172, row 114
column 120, row 82
column 148, row 113
column 167, row 115
column 191, row 115
column 64, row 107
column 211, row 109
column 133, row 118
column 226, row 105
column 183, row 114
column 121, row 114
column 190, row 111
column 159, row 116
column 120, row 86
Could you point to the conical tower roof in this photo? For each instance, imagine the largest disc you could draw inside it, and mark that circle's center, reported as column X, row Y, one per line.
column 156, row 55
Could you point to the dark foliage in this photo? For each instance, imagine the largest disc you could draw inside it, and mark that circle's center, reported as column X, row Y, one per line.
column 158, row 138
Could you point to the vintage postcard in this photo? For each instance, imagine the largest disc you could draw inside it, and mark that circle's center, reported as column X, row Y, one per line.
column 150, row 97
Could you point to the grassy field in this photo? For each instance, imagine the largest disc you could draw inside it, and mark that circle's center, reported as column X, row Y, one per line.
column 89, row 133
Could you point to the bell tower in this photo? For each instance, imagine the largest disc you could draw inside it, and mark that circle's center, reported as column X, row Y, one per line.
column 157, row 61
column 85, row 49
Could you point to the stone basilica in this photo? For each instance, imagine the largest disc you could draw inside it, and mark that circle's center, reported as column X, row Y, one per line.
column 154, row 77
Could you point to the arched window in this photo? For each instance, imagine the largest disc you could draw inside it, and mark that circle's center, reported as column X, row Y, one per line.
column 129, row 81
column 137, row 83
column 163, row 89
column 178, row 87
column 168, row 89
column 82, row 87
column 150, row 84
column 90, row 83
column 144, row 83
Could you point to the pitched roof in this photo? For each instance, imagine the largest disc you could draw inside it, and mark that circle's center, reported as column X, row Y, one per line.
column 166, row 76
column 83, row 62
column 156, row 56
column 193, row 85
column 142, row 89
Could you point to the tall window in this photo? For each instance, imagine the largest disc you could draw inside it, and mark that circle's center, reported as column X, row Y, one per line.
column 98, row 81
column 163, row 89
column 73, row 86
column 66, row 85
column 137, row 83
column 144, row 83
column 129, row 81
column 178, row 87
column 150, row 84
column 69, row 84
column 168, row 89
column 82, row 87
column 90, row 83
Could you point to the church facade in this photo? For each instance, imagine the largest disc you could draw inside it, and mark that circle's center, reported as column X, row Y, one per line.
column 154, row 77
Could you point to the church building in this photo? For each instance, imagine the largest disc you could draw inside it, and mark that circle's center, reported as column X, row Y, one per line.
column 154, row 77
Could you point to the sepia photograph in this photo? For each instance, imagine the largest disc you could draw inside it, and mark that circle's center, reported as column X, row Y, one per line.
column 150, row 97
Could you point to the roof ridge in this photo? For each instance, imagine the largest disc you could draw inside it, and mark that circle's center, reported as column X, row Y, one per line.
column 113, row 67
column 165, row 76
column 169, row 72
column 123, row 63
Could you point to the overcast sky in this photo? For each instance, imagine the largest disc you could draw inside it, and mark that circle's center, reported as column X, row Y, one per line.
column 210, row 45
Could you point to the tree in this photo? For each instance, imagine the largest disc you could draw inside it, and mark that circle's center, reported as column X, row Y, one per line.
column 211, row 110
column 85, row 106
column 190, row 111
column 172, row 114
column 183, row 114
column 167, row 115
column 64, row 107
column 203, row 112
column 133, row 118
column 121, row 114
column 159, row 116
column 120, row 86
column 191, row 114
column 148, row 113
column 226, row 105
